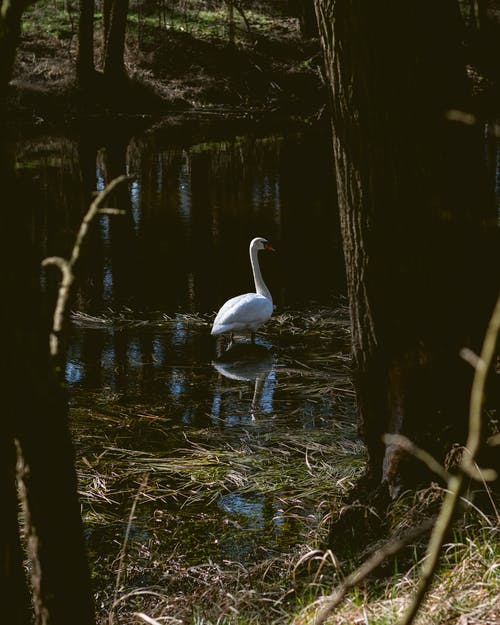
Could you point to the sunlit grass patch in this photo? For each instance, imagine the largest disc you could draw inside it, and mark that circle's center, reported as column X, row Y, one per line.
column 50, row 19
column 467, row 584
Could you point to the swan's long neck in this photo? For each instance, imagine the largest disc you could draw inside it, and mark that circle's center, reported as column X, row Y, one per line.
column 260, row 286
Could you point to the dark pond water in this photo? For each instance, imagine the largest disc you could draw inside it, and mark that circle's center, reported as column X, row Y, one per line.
column 227, row 439
column 190, row 215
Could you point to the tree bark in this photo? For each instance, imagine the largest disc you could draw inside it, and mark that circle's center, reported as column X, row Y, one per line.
column 35, row 422
column 60, row 578
column 115, row 27
column 12, row 576
column 418, row 232
column 85, row 54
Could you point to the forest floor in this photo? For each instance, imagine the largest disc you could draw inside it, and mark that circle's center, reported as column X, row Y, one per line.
column 185, row 64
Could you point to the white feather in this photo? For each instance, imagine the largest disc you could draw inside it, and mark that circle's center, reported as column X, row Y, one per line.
column 247, row 312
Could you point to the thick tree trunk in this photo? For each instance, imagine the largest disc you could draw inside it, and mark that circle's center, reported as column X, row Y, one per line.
column 85, row 54
column 60, row 577
column 417, row 234
column 35, row 421
column 115, row 28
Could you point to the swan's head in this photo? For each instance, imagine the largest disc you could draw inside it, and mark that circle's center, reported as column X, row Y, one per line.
column 261, row 244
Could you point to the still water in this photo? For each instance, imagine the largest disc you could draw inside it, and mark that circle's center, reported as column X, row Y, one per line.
column 221, row 436
column 190, row 214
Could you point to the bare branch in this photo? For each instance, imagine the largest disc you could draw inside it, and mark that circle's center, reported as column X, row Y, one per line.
column 390, row 548
column 111, row 211
column 455, row 483
column 91, row 213
column 467, row 467
column 123, row 550
column 469, row 356
column 478, row 385
column 62, row 297
column 66, row 266
column 420, row 454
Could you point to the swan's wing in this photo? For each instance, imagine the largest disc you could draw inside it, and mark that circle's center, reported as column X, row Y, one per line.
column 242, row 312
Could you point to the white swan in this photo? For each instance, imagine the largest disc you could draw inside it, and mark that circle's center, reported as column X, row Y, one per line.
column 246, row 313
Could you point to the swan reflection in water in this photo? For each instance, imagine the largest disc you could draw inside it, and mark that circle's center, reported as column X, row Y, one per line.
column 249, row 362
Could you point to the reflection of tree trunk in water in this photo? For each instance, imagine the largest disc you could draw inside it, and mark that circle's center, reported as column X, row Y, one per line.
column 91, row 266
column 37, row 419
column 93, row 344
column 414, row 221
column 121, row 362
column 147, row 370
column 257, row 393
column 202, row 247
column 121, row 227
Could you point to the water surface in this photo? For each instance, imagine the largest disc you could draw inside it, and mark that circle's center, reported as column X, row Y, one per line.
column 216, row 447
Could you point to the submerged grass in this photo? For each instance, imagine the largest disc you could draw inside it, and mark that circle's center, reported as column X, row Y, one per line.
column 235, row 496
column 232, row 508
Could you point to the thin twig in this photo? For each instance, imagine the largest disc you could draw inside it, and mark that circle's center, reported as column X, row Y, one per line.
column 420, row 454
column 456, row 483
column 390, row 548
column 66, row 267
column 123, row 549
column 62, row 297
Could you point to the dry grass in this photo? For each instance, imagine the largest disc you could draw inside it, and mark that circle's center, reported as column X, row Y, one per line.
column 296, row 473
column 465, row 591
column 191, row 560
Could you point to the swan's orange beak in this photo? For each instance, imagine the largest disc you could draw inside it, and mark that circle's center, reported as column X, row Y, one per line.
column 269, row 248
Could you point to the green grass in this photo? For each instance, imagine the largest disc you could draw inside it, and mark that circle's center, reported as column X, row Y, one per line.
column 49, row 19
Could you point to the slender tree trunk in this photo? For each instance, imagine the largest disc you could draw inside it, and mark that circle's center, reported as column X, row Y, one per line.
column 478, row 13
column 10, row 30
column 417, row 234
column 85, row 54
column 115, row 25
column 307, row 19
column 230, row 20
column 106, row 20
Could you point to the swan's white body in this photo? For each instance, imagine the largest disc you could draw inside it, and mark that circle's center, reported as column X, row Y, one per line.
column 247, row 312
